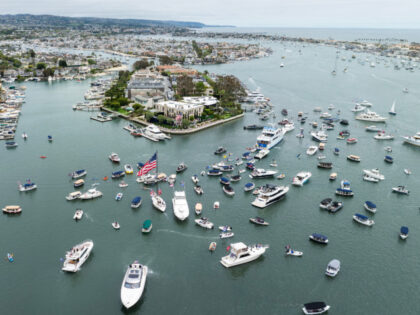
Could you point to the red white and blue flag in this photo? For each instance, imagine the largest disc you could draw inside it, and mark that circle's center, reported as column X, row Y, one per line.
column 148, row 166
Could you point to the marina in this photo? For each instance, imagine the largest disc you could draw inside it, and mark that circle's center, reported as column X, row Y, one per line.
column 291, row 220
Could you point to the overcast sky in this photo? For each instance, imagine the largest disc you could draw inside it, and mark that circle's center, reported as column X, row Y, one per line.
column 281, row 13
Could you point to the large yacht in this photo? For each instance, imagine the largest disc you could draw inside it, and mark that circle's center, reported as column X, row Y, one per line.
column 241, row 254
column 270, row 194
column 262, row 173
column 180, row 205
column 370, row 116
column 154, row 132
column 91, row 194
column 414, row 140
column 133, row 284
column 270, row 137
column 301, row 178
column 319, row 136
column 77, row 256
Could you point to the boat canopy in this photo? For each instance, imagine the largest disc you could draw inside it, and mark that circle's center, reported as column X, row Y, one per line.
column 404, row 230
column 224, row 179
column 344, row 190
column 214, row 171
column 320, row 236
column 248, row 185
column 246, row 154
column 117, row 172
column 136, row 200
column 370, row 204
column 388, row 157
column 361, row 216
column 147, row 224
column 315, row 305
column 79, row 172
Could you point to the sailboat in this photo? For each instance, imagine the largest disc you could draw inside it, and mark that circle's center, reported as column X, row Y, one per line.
column 392, row 110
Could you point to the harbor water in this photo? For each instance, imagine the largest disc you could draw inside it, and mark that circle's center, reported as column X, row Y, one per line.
column 379, row 272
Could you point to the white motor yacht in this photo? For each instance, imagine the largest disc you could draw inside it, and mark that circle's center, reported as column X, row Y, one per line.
column 133, row 284
column 333, row 268
column 414, row 140
column 74, row 195
column 114, row 158
column 319, row 136
column 312, row 150
column 180, row 205
column 365, row 103
column 370, row 116
column 91, row 194
column 383, row 136
column 76, row 257
column 270, row 137
column 301, row 178
column 270, row 194
column 241, row 254
column 154, row 132
column 262, row 173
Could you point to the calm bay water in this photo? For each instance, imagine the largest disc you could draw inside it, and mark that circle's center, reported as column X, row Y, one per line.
column 378, row 268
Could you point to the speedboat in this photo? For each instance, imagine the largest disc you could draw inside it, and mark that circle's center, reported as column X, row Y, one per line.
column 76, row 257
column 27, row 186
column 327, row 165
column 333, row 176
column 228, row 190
column 362, row 219
column 115, row 225
column 315, row 308
column 270, row 194
column 212, row 246
column 117, row 174
column 147, row 226
column 214, row 172
column 262, row 173
column 370, row 116
column 372, row 128
column 319, row 136
column 78, row 214
column 400, row 190
column 220, row 150
column 128, row 169
column 78, row 183
column 249, row 186
column 370, row 179
column 195, row 179
column 122, row 184
column 204, row 222
column 325, row 203
column 235, row 178
column 388, row 149
column 133, row 284
column 351, row 140
column 407, row 171
column 50, row 138
column 404, row 232
column 358, row 108
column 292, row 252
column 180, row 205
column 91, row 194
column 318, row 238
column 262, row 154
column 114, row 158
column 241, row 254
column 216, row 205
column 301, row 178
column 225, row 228
column 158, row 202
column 335, row 206
column 388, row 159
column 270, row 137
column 383, row 136
column 259, row 221
column 333, row 268
column 321, row 157
column 365, row 103
column 78, row 174
column 374, row 173
column 198, row 208
column 12, row 209
column 321, row 146
column 172, row 179
column 354, row 158
column 181, row 167
column 74, row 195
column 226, row 234
column 136, row 202
column 311, row 150
column 224, row 180
column 198, row 189
column 370, row 206
column 325, row 115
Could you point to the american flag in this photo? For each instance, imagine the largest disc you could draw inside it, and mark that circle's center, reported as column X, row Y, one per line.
column 148, row 166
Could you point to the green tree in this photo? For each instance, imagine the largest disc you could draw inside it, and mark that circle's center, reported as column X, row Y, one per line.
column 41, row 65
column 149, row 116
column 185, row 123
column 62, row 63
column 161, row 119
column 141, row 64
column 200, row 88
column 48, row 72
column 165, row 60
column 32, row 53
column 184, row 85
column 91, row 61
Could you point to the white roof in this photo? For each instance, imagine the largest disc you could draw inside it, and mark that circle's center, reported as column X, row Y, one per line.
column 238, row 246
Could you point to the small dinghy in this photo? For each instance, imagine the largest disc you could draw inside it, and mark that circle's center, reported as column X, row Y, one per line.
column 400, row 190
column 212, row 246
column 370, row 206
column 78, row 183
column 281, row 176
column 228, row 190
column 259, row 221
column 78, row 214
column 204, row 222
column 119, row 196
column 10, row 257
column 198, row 208
column 404, row 232
column 388, row 159
column 123, row 184
column 225, row 228
column 50, row 138
column 292, row 252
column 195, row 179
column 315, row 308
column 318, row 238
column 407, row 171
column 136, row 202
column 181, row 167
column 216, row 205
column 226, row 234
column 115, row 225
column 147, row 226
column 198, row 189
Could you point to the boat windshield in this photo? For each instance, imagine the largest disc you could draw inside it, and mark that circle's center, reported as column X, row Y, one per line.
column 131, row 285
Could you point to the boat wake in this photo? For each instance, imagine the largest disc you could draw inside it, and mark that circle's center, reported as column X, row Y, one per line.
column 187, row 235
column 386, row 80
column 88, row 217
